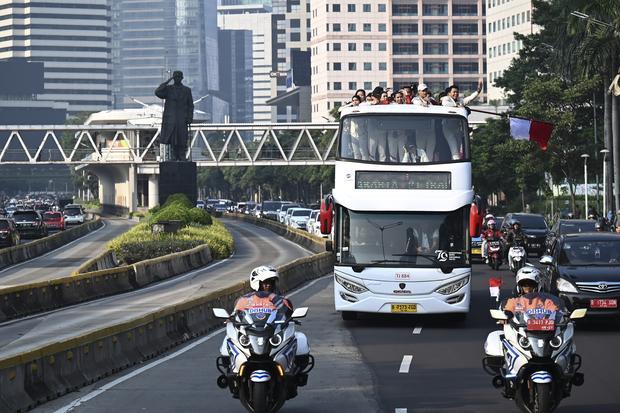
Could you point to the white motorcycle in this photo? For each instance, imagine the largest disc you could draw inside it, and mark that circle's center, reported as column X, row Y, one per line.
column 516, row 258
column 263, row 359
column 534, row 360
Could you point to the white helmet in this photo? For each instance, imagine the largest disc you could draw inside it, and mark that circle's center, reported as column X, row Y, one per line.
column 528, row 273
column 489, row 216
column 262, row 273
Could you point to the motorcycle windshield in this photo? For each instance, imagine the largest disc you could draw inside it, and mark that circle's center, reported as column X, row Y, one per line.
column 538, row 312
column 260, row 318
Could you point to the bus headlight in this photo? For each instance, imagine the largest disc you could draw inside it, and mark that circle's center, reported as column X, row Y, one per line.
column 453, row 287
column 350, row 285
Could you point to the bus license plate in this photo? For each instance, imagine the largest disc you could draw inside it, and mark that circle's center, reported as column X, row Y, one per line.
column 404, row 308
column 476, row 251
column 604, row 303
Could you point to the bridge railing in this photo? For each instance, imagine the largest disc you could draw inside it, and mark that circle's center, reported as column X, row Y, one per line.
column 210, row 144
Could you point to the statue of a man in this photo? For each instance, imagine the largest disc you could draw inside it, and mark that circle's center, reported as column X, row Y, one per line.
column 178, row 114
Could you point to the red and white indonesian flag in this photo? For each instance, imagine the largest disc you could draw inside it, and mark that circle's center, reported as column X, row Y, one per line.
column 531, row 130
column 494, row 286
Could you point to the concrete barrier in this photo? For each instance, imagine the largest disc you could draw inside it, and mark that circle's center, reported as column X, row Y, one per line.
column 19, row 253
column 303, row 238
column 22, row 300
column 103, row 261
column 44, row 373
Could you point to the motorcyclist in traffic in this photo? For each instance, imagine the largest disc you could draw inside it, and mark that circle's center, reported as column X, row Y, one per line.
column 529, row 293
column 515, row 236
column 491, row 233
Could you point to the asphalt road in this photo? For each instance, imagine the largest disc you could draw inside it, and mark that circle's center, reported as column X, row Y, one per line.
column 361, row 367
column 62, row 261
column 254, row 246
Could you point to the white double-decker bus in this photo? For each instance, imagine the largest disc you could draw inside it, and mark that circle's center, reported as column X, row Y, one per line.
column 400, row 211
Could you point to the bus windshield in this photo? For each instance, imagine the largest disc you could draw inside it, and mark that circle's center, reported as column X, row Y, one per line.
column 406, row 138
column 402, row 239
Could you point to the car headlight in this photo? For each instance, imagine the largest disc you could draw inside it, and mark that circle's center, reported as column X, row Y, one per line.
column 453, row 287
column 294, row 224
column 350, row 285
column 565, row 286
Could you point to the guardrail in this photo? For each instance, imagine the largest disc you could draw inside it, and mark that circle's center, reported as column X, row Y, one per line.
column 20, row 253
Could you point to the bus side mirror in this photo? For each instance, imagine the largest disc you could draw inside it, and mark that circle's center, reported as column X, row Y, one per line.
column 326, row 215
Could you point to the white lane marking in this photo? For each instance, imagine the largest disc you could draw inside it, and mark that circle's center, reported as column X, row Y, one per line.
column 400, row 410
column 417, row 330
column 54, row 250
column 108, row 386
column 405, row 364
column 122, row 295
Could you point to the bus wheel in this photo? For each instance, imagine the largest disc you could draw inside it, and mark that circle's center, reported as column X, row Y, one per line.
column 348, row 315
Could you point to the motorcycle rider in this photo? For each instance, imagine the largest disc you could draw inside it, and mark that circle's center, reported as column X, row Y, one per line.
column 263, row 280
column 515, row 236
column 528, row 293
column 490, row 233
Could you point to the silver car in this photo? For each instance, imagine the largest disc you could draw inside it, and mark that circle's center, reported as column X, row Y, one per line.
column 297, row 217
column 283, row 209
column 313, row 221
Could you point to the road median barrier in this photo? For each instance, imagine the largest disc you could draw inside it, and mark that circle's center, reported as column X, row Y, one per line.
column 303, row 238
column 103, row 261
column 33, row 377
column 26, row 299
column 20, row 253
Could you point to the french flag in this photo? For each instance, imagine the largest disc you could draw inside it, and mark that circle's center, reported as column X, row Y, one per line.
column 531, row 130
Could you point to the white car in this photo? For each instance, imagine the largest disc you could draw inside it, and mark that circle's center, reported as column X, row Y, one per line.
column 312, row 221
column 73, row 215
column 297, row 217
column 283, row 209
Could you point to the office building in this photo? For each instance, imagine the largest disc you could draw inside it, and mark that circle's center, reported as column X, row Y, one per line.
column 361, row 44
column 72, row 39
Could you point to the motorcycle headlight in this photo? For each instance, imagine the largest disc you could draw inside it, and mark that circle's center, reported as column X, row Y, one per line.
column 244, row 340
column 524, row 342
column 453, row 286
column 556, row 342
column 565, row 286
column 350, row 285
column 276, row 340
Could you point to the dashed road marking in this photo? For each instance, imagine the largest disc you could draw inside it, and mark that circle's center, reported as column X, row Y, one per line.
column 400, row 410
column 417, row 330
column 405, row 364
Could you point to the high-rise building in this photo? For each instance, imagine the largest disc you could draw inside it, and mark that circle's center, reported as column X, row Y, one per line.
column 153, row 38
column 361, row 44
column 72, row 39
column 235, row 61
column 503, row 20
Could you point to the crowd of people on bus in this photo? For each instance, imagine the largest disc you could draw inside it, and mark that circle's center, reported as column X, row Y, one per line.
column 370, row 139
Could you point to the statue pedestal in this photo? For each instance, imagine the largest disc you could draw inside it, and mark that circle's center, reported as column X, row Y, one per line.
column 177, row 177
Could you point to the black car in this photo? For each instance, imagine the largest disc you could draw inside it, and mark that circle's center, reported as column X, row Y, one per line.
column 9, row 235
column 568, row 226
column 533, row 226
column 584, row 270
column 30, row 223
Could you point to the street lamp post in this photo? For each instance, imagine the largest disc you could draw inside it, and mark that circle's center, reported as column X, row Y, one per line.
column 585, row 157
column 604, row 152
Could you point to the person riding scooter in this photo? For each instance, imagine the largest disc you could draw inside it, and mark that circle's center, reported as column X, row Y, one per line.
column 515, row 236
column 491, row 233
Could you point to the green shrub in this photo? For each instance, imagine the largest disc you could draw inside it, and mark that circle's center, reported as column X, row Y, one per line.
column 173, row 212
column 178, row 198
column 200, row 216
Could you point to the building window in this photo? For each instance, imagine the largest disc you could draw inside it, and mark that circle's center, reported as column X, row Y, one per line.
column 328, row 86
column 382, row 8
column 352, row 66
column 518, row 18
column 337, row 47
column 336, row 27
column 295, row 37
column 367, row 27
column 504, row 48
column 464, row 29
column 405, row 48
column 366, row 8
column 367, row 47
column 351, row 8
column 336, row 8
column 337, row 66
column 435, row 28
column 382, row 47
column 435, row 9
column 464, row 10
column 382, row 66
column 405, row 28
column 466, row 48
column 327, row 48
column 405, row 68
column 337, row 85
column 295, row 23
column 328, row 66
column 435, row 48
column 382, row 27
column 494, row 28
column 513, row 20
column 351, row 27
column 528, row 15
column 367, row 66
column 352, row 85
column 435, row 67
column 465, row 67
column 352, row 47
column 490, row 26
column 503, row 24
column 383, row 84
column 404, row 9
column 367, row 85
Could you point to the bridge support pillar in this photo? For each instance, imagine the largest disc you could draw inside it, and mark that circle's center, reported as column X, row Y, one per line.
column 132, row 188
column 153, row 191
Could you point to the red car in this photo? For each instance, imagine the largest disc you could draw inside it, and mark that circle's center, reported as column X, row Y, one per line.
column 54, row 220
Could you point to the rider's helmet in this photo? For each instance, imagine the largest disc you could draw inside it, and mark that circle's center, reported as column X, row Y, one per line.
column 528, row 275
column 491, row 224
column 261, row 274
column 488, row 217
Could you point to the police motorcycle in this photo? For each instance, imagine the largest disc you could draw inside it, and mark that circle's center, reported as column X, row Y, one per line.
column 259, row 364
column 534, row 359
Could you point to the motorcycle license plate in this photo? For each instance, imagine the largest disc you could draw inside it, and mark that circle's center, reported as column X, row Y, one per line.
column 535, row 245
column 543, row 324
column 404, row 308
column 476, row 251
column 604, row 303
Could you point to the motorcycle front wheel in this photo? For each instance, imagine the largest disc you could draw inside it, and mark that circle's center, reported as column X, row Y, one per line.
column 259, row 397
column 543, row 402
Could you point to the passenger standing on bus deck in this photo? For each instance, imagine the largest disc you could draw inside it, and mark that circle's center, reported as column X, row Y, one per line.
column 377, row 137
column 425, row 141
column 359, row 134
column 453, row 128
column 397, row 137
